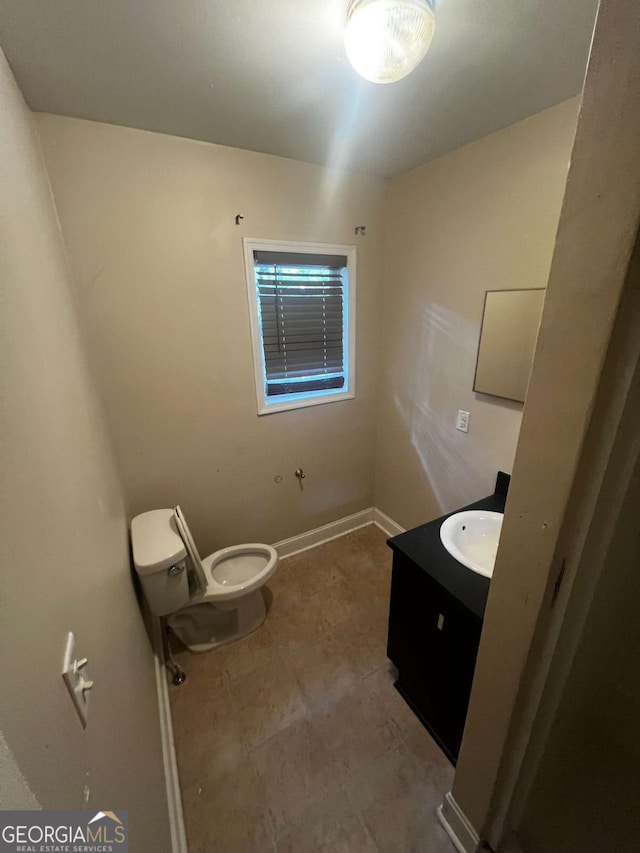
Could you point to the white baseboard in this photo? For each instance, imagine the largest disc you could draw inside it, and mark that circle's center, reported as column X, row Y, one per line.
column 15, row 792
column 174, row 800
column 320, row 535
column 386, row 524
column 457, row 826
column 313, row 538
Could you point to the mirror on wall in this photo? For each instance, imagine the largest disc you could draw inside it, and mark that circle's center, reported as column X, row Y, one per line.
column 507, row 342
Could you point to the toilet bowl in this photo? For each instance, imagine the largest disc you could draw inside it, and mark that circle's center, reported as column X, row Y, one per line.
column 206, row 602
column 238, row 570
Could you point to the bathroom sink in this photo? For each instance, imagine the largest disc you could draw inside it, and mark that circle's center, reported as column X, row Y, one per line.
column 472, row 537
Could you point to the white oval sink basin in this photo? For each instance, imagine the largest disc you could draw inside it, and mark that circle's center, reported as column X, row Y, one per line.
column 472, row 538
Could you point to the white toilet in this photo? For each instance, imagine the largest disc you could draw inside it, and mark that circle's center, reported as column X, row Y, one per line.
column 206, row 602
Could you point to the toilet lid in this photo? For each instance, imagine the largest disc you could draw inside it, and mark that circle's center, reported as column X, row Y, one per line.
column 190, row 545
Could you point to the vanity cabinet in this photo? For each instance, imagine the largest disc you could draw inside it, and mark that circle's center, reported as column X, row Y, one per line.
column 435, row 619
column 433, row 641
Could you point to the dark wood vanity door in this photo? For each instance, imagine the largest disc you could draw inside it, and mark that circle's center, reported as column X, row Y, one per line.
column 433, row 641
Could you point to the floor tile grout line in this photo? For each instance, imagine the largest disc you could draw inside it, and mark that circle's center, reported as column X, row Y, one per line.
column 366, row 830
column 266, row 808
column 261, row 743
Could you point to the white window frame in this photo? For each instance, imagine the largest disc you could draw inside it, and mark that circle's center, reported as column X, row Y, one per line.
column 308, row 398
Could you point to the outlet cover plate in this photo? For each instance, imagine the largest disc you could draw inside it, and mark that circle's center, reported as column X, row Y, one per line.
column 462, row 422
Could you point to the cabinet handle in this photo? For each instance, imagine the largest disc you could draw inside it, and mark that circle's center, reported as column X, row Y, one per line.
column 440, row 621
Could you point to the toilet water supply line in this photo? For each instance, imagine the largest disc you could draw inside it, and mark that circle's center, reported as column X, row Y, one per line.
column 179, row 676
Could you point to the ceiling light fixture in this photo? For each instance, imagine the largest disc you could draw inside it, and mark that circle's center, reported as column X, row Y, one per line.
column 387, row 39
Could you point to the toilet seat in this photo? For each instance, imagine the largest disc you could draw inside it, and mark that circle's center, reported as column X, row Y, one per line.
column 230, row 572
column 190, row 545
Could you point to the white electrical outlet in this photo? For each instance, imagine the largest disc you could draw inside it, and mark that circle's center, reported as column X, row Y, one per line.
column 75, row 676
column 462, row 423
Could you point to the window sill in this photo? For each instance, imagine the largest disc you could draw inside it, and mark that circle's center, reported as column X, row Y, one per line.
column 286, row 406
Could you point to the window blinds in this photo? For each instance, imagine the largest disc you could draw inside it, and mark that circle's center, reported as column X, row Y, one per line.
column 301, row 300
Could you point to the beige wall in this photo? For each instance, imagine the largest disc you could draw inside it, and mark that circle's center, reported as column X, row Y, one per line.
column 481, row 218
column 65, row 558
column 149, row 225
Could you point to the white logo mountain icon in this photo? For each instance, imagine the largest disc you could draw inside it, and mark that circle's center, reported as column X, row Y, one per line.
column 110, row 815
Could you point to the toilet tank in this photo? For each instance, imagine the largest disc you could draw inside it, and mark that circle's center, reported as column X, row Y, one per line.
column 159, row 556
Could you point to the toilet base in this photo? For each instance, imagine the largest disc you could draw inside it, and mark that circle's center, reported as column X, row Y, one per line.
column 201, row 627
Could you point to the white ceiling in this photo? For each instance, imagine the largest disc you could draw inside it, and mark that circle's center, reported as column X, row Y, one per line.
column 272, row 76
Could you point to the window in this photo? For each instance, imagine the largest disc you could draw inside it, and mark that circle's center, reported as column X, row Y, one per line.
column 302, row 308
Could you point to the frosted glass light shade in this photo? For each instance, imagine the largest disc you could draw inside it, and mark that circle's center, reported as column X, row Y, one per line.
column 386, row 39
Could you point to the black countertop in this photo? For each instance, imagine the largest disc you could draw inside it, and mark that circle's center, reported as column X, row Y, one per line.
column 422, row 545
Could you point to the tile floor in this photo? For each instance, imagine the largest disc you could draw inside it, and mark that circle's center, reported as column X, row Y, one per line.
column 294, row 740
